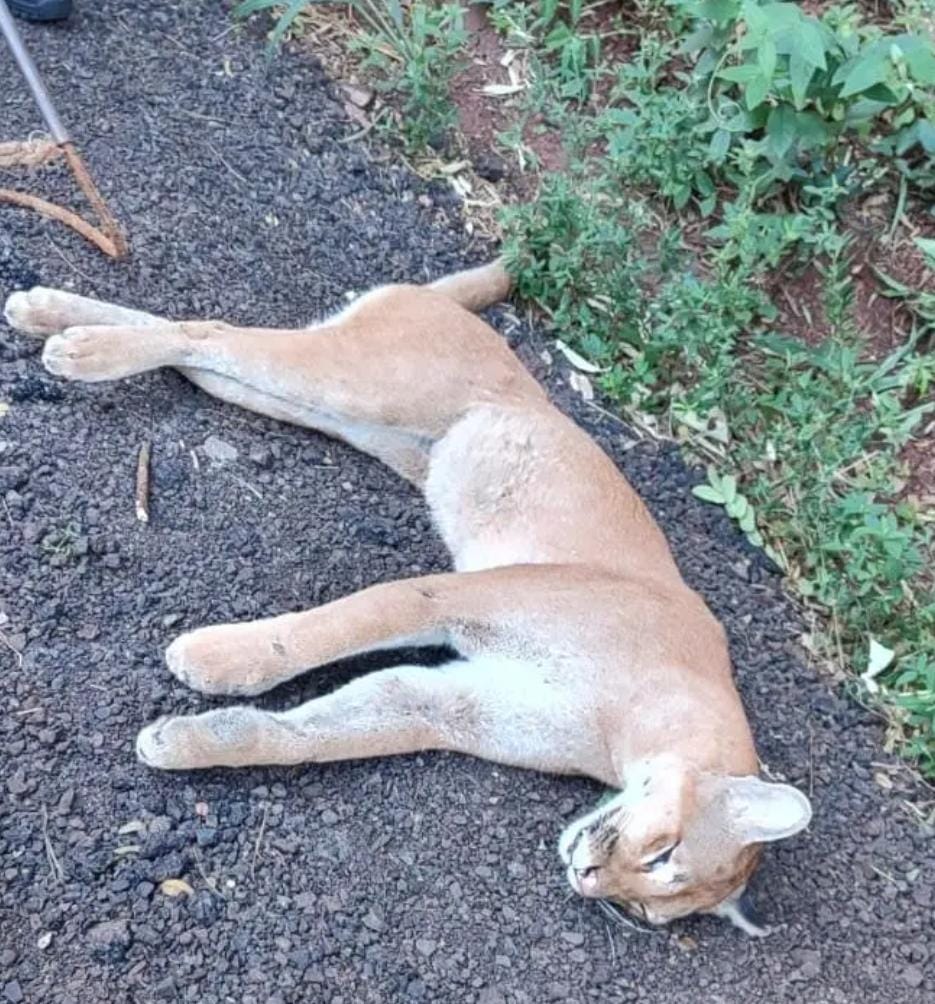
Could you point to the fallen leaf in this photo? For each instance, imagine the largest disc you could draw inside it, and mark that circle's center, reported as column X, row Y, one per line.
column 501, row 90
column 360, row 96
column 134, row 826
column 878, row 658
column 175, row 887
column 576, row 359
column 582, row 385
column 355, row 114
column 454, row 166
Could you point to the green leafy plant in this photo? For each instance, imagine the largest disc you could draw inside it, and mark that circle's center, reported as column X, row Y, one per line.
column 412, row 48
column 62, row 544
column 794, row 85
column 722, row 490
column 425, row 45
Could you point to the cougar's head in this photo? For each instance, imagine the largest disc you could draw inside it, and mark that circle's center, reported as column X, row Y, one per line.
column 675, row 842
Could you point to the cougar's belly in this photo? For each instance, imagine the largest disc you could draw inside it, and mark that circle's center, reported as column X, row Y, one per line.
column 516, row 484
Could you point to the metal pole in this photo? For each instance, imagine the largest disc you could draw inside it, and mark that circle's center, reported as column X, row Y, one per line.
column 31, row 73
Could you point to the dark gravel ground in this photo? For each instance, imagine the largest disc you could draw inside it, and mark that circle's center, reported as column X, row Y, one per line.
column 429, row 877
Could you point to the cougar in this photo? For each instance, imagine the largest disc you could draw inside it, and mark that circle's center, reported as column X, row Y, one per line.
column 580, row 648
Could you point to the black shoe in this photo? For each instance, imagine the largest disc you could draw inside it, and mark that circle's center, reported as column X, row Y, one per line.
column 40, row 10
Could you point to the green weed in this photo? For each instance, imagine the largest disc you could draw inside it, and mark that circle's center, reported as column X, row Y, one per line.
column 412, row 49
column 793, row 86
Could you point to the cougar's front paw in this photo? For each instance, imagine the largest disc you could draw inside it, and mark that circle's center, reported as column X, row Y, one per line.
column 225, row 738
column 90, row 354
column 39, row 311
column 227, row 659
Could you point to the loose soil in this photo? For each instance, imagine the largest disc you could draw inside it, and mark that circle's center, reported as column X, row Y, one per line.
column 421, row 878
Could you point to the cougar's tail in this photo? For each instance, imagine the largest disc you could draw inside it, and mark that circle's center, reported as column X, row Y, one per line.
column 476, row 288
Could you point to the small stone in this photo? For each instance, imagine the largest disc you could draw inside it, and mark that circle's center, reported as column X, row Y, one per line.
column 111, row 560
column 12, row 992
column 490, row 995
column 110, row 938
column 573, row 937
column 912, row 976
column 426, row 947
column 808, row 961
column 374, row 921
column 44, row 940
column 19, row 783
column 329, row 817
column 220, row 451
column 261, row 456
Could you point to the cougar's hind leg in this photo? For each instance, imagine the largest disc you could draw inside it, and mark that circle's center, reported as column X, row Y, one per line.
column 390, row 376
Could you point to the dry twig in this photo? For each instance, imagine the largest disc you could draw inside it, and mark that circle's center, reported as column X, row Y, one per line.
column 66, row 216
column 58, row 873
column 142, row 484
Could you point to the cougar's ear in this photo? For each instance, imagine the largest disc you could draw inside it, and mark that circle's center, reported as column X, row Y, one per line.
column 761, row 811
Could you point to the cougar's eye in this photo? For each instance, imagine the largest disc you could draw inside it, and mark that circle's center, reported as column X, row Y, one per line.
column 659, row 860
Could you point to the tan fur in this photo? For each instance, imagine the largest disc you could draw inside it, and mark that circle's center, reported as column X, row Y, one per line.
column 584, row 650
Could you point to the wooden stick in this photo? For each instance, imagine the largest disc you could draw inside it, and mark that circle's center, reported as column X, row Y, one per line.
column 142, row 484
column 66, row 216
column 95, row 198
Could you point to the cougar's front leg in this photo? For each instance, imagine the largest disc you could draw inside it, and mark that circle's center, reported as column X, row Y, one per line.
column 393, row 711
column 489, row 706
column 252, row 657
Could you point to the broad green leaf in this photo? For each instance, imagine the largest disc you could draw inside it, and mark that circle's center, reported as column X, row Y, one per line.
column 738, row 507
column 681, row 195
column 922, row 64
column 811, row 45
column 756, row 92
column 800, row 76
column 719, row 145
column 708, row 494
column 698, row 39
column 766, row 58
column 707, row 206
column 748, row 522
column 728, row 488
column 780, row 130
column 719, row 11
column 927, row 246
column 740, row 74
column 866, row 71
column 811, row 130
